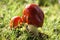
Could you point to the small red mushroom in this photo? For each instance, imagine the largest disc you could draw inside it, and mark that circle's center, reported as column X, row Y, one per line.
column 32, row 14
column 15, row 21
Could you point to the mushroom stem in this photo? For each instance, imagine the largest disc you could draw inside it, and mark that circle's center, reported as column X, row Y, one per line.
column 32, row 29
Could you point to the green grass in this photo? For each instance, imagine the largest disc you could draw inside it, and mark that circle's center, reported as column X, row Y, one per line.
column 9, row 9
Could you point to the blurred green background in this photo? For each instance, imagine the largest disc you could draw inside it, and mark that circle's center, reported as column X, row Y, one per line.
column 11, row 8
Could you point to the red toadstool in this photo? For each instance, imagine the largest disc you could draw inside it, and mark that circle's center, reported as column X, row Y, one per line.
column 15, row 21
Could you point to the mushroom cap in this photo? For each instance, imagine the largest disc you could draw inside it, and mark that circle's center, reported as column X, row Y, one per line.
column 15, row 21
column 32, row 14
